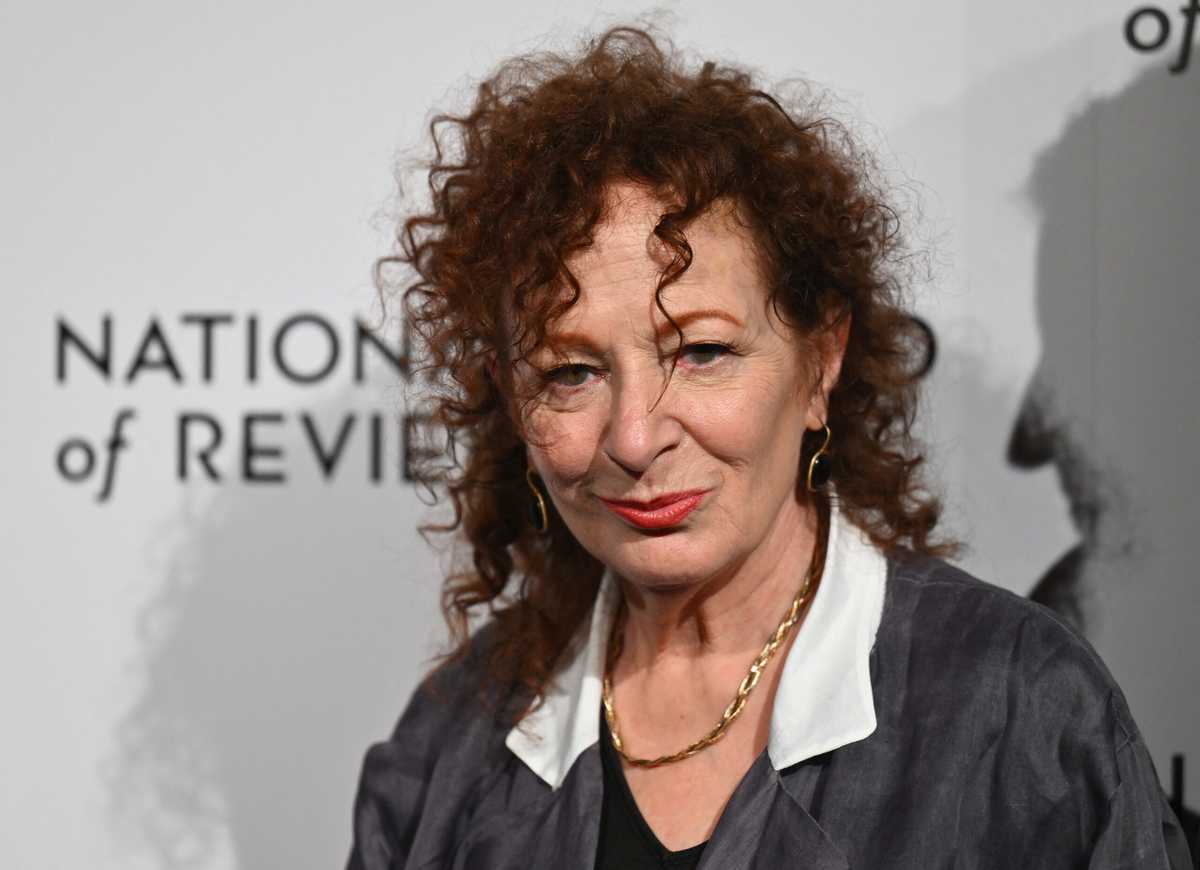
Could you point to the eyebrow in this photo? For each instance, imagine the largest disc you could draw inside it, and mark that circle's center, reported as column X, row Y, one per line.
column 564, row 340
column 579, row 339
column 699, row 315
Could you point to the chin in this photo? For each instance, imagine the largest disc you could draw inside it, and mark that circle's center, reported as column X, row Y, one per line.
column 657, row 562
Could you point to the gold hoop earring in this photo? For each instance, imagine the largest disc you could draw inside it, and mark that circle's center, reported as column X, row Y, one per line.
column 820, row 469
column 538, row 515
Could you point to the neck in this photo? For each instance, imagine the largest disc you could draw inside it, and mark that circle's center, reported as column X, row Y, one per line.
column 728, row 615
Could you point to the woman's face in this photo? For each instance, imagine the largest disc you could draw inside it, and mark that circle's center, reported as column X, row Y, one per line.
column 728, row 428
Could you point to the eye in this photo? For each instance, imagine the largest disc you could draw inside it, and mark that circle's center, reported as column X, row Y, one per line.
column 708, row 352
column 565, row 376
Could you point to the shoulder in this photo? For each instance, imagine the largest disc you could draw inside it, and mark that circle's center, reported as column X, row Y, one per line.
column 413, row 785
column 975, row 615
column 1025, row 709
column 455, row 702
column 1001, row 653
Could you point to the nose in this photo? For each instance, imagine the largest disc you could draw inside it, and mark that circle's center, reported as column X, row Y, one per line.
column 641, row 424
column 1032, row 440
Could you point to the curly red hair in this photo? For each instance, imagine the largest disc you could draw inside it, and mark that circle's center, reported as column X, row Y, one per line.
column 518, row 184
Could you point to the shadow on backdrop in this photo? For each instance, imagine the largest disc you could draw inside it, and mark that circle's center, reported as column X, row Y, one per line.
column 289, row 630
column 1113, row 401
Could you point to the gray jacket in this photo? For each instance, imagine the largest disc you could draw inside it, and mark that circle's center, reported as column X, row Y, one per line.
column 1002, row 741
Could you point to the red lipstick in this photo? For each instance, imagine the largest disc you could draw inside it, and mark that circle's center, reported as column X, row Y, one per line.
column 661, row 513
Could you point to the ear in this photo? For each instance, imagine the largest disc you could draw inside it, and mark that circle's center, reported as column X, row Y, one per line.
column 832, row 344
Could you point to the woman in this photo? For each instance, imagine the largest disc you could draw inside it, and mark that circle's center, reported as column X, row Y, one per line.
column 720, row 634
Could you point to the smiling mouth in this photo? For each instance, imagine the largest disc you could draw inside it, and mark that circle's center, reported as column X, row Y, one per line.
column 662, row 512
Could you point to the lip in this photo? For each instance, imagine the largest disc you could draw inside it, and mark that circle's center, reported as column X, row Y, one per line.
column 663, row 512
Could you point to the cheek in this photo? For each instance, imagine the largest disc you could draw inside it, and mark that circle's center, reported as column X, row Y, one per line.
column 566, row 443
column 749, row 424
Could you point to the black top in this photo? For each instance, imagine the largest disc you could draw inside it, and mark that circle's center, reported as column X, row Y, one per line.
column 626, row 841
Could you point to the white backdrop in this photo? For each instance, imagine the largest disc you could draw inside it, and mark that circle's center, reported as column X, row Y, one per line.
column 192, row 669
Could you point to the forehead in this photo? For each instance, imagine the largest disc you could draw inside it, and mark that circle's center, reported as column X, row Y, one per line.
column 621, row 269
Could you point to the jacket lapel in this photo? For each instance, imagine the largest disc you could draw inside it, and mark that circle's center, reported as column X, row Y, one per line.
column 765, row 825
column 560, row 829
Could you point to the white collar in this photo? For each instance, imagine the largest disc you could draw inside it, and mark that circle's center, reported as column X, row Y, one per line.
column 824, row 698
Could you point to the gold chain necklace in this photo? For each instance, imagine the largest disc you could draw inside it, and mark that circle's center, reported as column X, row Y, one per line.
column 615, row 645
